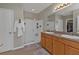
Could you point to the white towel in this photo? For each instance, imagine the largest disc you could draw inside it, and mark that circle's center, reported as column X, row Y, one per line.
column 20, row 28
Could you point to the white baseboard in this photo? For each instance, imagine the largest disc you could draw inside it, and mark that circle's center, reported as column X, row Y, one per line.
column 21, row 46
column 31, row 43
column 5, row 51
column 25, row 45
column 18, row 47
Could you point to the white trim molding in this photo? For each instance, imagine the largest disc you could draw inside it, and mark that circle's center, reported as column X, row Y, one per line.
column 25, row 45
column 31, row 43
column 18, row 47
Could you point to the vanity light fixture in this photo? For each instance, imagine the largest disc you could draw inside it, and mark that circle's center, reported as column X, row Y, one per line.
column 62, row 6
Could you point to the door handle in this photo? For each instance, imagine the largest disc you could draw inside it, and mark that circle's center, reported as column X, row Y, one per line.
column 10, row 32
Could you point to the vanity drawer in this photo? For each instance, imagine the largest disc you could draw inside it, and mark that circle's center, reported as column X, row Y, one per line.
column 71, row 51
column 71, row 43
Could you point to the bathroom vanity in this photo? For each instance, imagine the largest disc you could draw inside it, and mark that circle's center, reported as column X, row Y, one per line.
column 60, row 44
column 65, row 21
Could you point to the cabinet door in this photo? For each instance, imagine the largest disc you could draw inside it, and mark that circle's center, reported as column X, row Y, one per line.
column 71, row 51
column 58, row 48
column 43, row 43
column 49, row 45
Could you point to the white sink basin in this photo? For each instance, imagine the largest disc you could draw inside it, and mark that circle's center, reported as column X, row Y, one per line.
column 70, row 36
column 50, row 32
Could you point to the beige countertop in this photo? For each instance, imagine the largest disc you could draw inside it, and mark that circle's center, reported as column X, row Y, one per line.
column 63, row 35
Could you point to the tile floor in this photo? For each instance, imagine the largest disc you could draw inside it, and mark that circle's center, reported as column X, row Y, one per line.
column 33, row 49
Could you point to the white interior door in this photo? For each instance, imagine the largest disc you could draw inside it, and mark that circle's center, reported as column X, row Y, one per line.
column 6, row 30
column 29, row 31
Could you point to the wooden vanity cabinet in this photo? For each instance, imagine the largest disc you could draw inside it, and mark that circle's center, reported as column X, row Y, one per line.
column 49, row 44
column 71, row 51
column 43, row 40
column 58, row 47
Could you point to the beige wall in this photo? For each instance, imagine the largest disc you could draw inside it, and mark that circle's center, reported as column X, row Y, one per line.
column 29, row 15
column 51, row 17
column 46, row 12
column 18, row 11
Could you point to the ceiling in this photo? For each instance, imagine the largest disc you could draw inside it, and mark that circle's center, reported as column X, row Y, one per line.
column 30, row 7
column 35, row 7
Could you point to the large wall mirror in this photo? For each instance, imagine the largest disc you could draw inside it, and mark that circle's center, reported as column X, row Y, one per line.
column 49, row 23
column 59, row 23
column 77, row 24
column 67, row 19
column 64, row 21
